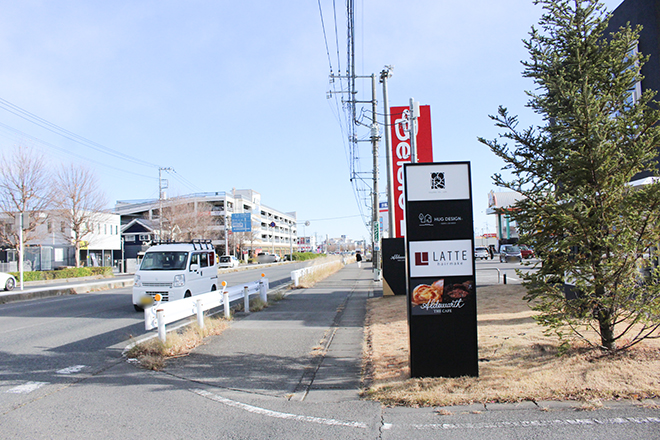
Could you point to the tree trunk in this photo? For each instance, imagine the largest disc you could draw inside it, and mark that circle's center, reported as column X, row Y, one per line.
column 606, row 329
column 77, row 254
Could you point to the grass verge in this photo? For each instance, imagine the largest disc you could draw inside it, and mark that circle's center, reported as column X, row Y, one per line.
column 309, row 279
column 153, row 353
column 517, row 362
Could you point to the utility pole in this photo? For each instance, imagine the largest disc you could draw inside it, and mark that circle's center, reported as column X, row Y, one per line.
column 375, row 136
column 160, row 199
column 21, row 247
column 385, row 74
column 374, row 143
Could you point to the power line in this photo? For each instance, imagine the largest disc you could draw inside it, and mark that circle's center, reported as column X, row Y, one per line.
column 30, row 117
column 66, row 151
column 332, row 218
column 327, row 50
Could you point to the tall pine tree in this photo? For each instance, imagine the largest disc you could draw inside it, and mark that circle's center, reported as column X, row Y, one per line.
column 591, row 227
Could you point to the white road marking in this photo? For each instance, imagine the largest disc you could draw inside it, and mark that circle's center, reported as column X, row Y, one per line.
column 277, row 414
column 71, row 370
column 27, row 387
column 541, row 423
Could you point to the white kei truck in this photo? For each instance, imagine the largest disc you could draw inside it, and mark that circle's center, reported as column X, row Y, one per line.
column 174, row 271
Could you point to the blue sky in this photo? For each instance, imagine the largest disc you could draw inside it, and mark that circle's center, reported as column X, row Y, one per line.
column 233, row 94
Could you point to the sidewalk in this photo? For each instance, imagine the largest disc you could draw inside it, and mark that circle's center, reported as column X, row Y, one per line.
column 306, row 347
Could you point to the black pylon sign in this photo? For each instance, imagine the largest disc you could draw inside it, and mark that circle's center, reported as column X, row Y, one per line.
column 441, row 288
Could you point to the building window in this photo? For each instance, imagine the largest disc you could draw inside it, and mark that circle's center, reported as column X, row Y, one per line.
column 50, row 227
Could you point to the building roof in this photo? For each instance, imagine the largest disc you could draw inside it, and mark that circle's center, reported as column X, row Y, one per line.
column 498, row 201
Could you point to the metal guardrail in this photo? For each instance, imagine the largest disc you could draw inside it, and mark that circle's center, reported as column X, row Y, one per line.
column 297, row 274
column 501, row 273
column 162, row 313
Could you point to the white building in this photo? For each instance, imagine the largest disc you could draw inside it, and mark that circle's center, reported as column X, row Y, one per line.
column 272, row 230
column 51, row 243
column 500, row 204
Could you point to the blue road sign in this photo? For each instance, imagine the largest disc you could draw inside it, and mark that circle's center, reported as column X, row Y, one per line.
column 241, row 222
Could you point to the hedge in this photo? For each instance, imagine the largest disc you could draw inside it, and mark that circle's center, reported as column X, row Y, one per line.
column 69, row 272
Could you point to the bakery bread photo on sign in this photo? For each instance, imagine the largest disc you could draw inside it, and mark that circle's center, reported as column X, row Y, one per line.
column 445, row 295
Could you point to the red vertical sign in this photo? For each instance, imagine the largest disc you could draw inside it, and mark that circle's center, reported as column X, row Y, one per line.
column 399, row 120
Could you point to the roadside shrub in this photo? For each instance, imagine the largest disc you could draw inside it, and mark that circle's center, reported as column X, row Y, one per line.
column 303, row 256
column 69, row 272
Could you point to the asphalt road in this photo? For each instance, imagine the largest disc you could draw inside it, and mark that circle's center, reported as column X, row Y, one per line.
column 49, row 343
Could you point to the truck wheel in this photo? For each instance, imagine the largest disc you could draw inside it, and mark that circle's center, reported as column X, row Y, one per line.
column 187, row 294
column 138, row 308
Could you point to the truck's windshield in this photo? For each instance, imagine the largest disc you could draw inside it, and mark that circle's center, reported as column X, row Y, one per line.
column 164, row 261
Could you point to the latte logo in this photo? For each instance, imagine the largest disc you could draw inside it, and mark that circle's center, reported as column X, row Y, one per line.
column 421, row 258
column 441, row 258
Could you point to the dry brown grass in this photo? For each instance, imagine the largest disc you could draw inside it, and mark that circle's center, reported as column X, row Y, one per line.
column 152, row 354
column 309, row 279
column 517, row 362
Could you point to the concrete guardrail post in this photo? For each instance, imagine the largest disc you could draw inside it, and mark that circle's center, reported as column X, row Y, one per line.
column 162, row 333
column 225, row 299
column 246, row 299
column 200, row 314
column 263, row 292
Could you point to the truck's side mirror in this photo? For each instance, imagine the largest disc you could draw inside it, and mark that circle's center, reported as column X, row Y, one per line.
column 194, row 267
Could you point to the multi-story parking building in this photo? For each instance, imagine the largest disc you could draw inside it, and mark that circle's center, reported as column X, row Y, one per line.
column 209, row 216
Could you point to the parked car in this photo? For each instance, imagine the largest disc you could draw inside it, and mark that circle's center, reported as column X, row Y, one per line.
column 7, row 281
column 509, row 253
column 228, row 261
column 264, row 257
column 526, row 252
column 481, row 252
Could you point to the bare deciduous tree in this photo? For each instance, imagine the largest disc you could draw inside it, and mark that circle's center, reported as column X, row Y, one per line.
column 25, row 187
column 80, row 202
column 182, row 222
column 240, row 241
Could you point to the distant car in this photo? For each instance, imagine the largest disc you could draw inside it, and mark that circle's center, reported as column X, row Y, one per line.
column 481, row 252
column 264, row 257
column 7, row 281
column 509, row 253
column 228, row 261
column 526, row 252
